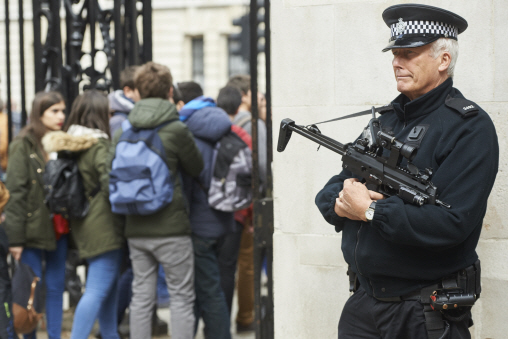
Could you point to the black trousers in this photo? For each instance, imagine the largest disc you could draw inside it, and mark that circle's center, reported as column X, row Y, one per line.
column 365, row 317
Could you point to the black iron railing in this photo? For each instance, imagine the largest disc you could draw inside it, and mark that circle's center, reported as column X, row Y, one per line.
column 263, row 204
column 61, row 65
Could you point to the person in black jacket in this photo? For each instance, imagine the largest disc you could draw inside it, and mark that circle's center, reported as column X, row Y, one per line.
column 404, row 256
column 208, row 124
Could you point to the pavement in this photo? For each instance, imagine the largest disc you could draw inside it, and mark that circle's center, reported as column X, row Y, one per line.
column 163, row 314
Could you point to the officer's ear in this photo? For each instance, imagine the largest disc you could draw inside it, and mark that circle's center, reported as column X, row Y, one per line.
column 446, row 59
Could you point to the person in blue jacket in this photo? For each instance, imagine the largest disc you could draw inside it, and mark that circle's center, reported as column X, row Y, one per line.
column 404, row 256
column 208, row 124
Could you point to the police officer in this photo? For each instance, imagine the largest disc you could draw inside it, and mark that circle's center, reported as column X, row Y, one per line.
column 414, row 269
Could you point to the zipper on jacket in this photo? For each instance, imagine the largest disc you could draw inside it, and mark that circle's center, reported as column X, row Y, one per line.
column 356, row 261
column 356, row 247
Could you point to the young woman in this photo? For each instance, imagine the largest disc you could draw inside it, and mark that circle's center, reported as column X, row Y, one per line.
column 28, row 222
column 98, row 235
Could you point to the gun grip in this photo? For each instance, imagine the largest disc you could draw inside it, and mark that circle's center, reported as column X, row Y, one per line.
column 372, row 187
column 284, row 134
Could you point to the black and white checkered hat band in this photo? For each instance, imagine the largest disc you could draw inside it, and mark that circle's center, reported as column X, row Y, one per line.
column 422, row 27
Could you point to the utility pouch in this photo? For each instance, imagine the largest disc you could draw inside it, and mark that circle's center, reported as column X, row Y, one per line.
column 459, row 290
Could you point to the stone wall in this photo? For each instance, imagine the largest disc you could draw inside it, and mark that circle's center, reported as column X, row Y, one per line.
column 327, row 62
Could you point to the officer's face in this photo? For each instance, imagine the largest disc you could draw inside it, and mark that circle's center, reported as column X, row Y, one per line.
column 417, row 71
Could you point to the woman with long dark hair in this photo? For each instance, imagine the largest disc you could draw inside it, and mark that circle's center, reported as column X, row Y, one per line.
column 98, row 235
column 29, row 223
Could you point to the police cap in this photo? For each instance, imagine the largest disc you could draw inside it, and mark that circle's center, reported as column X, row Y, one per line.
column 415, row 25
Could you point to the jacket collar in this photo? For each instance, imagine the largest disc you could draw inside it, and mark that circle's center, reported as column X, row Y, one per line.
column 58, row 141
column 407, row 110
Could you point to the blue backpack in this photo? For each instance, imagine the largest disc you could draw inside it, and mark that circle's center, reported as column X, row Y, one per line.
column 140, row 182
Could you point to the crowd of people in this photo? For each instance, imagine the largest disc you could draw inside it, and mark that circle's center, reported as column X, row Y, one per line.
column 191, row 247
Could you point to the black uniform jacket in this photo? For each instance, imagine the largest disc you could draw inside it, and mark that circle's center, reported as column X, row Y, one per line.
column 407, row 247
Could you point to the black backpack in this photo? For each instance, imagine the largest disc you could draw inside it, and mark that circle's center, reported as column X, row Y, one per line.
column 63, row 187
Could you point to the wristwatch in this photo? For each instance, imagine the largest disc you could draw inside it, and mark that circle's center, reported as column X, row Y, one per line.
column 369, row 213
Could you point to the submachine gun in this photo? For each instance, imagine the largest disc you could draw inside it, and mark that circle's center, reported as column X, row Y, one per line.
column 364, row 158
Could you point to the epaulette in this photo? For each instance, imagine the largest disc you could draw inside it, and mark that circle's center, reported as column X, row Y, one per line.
column 464, row 107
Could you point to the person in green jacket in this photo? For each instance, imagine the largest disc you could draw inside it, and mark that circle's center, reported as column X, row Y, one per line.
column 28, row 222
column 98, row 235
column 164, row 236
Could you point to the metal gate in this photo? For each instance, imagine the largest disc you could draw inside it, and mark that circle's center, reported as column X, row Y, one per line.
column 263, row 205
column 112, row 43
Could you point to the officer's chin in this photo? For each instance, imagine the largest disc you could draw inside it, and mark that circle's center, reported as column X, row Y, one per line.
column 404, row 85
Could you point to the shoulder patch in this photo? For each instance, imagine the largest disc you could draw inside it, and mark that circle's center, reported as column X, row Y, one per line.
column 464, row 107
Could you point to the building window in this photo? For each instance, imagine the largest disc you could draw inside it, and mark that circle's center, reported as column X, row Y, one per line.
column 236, row 64
column 198, row 63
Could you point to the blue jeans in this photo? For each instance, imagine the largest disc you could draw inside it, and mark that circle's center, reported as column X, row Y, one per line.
column 54, row 282
column 100, row 298
column 210, row 301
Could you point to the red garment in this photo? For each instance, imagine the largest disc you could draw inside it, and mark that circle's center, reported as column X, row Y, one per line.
column 60, row 225
column 242, row 134
column 246, row 213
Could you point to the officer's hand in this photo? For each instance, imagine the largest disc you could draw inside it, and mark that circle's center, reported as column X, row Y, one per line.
column 354, row 199
column 376, row 196
column 342, row 211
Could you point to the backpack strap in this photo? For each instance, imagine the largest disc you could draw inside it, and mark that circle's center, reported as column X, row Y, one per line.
column 157, row 129
column 243, row 120
column 126, row 125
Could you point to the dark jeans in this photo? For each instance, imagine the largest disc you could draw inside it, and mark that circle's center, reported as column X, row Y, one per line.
column 210, row 302
column 368, row 318
column 124, row 292
column 228, row 246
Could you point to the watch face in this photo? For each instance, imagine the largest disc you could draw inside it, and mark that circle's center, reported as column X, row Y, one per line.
column 369, row 214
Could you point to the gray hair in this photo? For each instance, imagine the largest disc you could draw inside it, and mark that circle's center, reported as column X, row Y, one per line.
column 446, row 45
